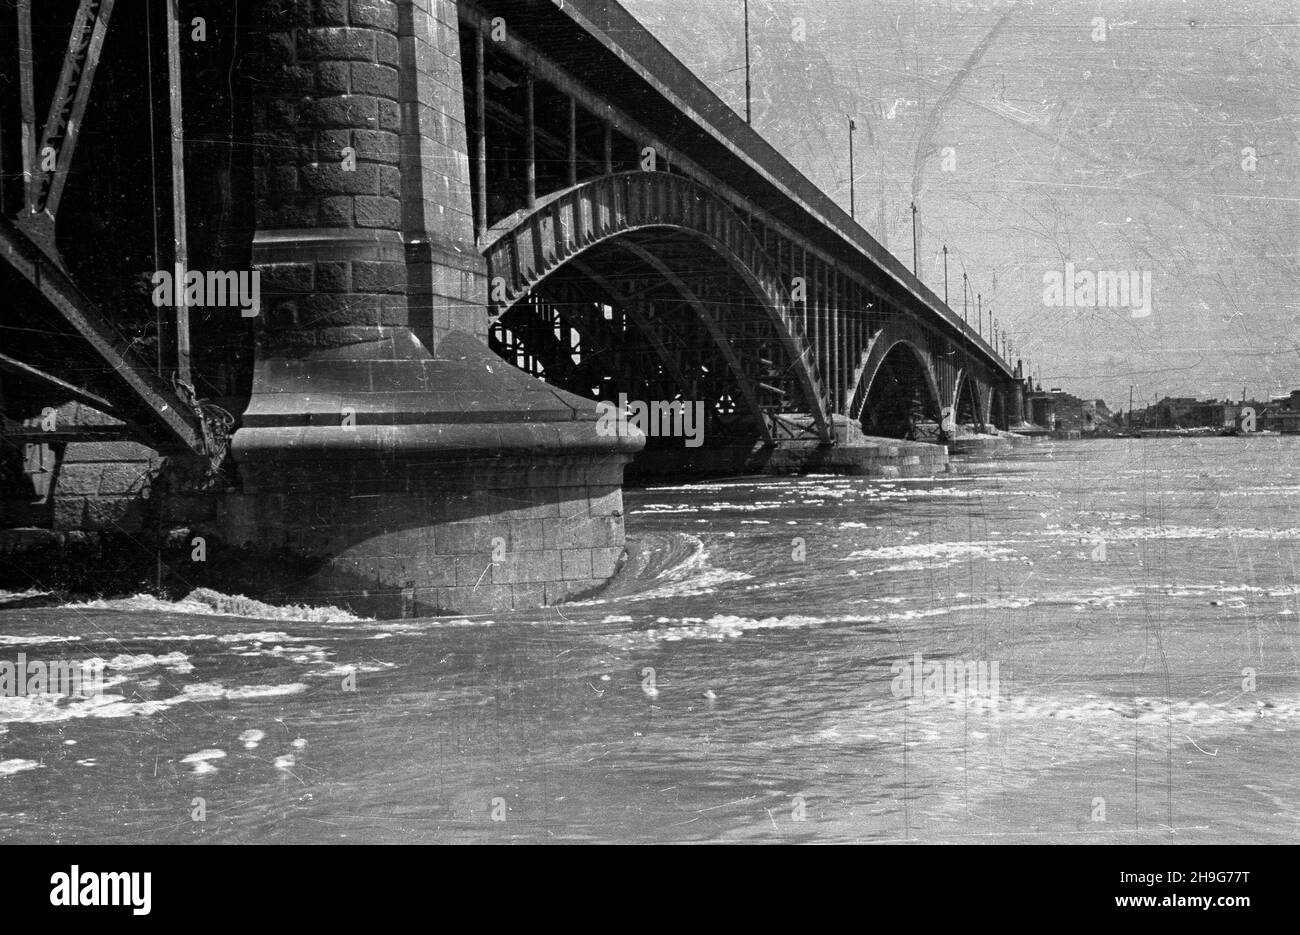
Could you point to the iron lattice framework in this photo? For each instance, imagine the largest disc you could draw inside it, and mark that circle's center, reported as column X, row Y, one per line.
column 125, row 386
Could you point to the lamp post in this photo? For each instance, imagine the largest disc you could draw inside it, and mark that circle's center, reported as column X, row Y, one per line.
column 914, row 269
column 852, row 206
column 749, row 113
column 945, row 275
column 965, row 289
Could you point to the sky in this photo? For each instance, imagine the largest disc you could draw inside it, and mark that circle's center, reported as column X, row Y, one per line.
column 1154, row 141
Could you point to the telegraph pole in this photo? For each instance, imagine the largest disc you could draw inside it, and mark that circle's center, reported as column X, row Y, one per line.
column 965, row 289
column 852, row 205
column 749, row 113
column 945, row 275
column 914, row 270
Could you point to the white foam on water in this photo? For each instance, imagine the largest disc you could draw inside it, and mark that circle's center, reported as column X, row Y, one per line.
column 303, row 655
column 208, row 603
column 264, row 636
column 262, row 691
column 1027, row 732
column 934, row 550
column 46, row 708
column 36, row 640
column 728, row 626
column 202, row 760
column 719, row 507
column 7, row 597
column 10, row 767
column 354, row 668
column 129, row 662
column 691, row 577
column 390, row 628
column 1145, row 533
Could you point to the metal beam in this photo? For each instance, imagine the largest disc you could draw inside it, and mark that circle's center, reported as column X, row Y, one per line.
column 77, row 433
column 51, row 382
column 573, row 142
column 632, row 309
column 530, row 140
column 27, row 83
column 168, row 425
column 68, row 107
column 480, row 134
column 179, row 237
column 715, row 330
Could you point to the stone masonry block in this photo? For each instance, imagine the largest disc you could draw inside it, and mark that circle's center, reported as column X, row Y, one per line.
column 378, row 14
column 378, row 277
column 336, row 44
column 378, row 212
column 576, row 563
column 604, row 561
column 329, row 178
column 377, row 80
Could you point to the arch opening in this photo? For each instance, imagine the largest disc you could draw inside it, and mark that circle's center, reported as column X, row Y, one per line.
column 968, row 414
column 902, row 402
column 998, row 412
column 654, row 317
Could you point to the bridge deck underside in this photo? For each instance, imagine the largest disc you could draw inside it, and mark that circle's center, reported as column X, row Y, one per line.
column 657, row 316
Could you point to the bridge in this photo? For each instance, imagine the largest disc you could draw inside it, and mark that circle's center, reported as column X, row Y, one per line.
column 469, row 220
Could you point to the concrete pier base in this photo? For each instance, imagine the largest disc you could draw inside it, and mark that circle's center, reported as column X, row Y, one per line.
column 855, row 452
column 466, row 486
column 980, row 444
column 384, row 443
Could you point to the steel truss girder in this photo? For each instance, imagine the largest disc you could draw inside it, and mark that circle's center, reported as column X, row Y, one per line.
column 67, row 113
column 525, row 248
column 157, row 414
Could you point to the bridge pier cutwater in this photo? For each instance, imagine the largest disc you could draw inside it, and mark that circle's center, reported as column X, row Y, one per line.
column 473, row 219
column 382, row 435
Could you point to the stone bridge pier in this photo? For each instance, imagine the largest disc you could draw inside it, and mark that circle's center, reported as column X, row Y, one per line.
column 417, row 469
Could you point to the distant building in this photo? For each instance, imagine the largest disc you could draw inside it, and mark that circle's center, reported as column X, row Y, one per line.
column 1213, row 415
column 1170, row 413
column 1041, row 408
column 1185, row 412
column 1282, row 415
column 1075, row 416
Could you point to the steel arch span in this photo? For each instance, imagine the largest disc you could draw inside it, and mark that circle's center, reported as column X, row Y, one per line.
column 647, row 230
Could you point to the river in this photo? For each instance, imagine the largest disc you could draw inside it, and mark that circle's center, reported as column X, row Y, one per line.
column 1131, row 607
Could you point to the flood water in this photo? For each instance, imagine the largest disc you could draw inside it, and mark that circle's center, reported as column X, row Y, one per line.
column 1139, row 598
